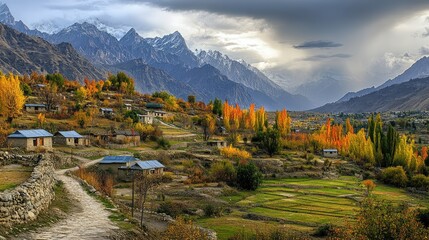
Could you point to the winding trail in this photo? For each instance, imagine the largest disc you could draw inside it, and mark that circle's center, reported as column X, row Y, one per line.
column 91, row 222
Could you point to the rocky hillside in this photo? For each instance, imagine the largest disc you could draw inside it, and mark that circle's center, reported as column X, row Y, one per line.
column 21, row 53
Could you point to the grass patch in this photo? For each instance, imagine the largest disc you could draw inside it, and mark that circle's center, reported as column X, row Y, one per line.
column 10, row 178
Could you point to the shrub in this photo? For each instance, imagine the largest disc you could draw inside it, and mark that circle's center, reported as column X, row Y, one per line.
column 324, row 230
column 420, row 182
column 423, row 217
column 248, row 176
column 236, row 154
column 173, row 209
column 395, row 176
column 182, row 229
column 167, row 177
column 211, row 210
column 163, row 143
column 223, row 171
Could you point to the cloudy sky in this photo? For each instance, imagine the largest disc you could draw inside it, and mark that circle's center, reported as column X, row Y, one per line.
column 359, row 43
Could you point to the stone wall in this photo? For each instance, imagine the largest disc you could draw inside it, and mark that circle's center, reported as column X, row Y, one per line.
column 26, row 201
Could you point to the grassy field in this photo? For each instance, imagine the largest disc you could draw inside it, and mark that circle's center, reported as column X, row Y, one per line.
column 301, row 204
column 12, row 176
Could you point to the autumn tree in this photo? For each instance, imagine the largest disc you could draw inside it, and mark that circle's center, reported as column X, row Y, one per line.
column 81, row 118
column 208, row 123
column 41, row 119
column 12, row 98
column 369, row 185
column 260, row 120
column 283, row 122
column 50, row 96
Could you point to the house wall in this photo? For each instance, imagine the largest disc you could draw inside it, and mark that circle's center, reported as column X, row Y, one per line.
column 33, row 109
column 27, row 143
column 329, row 154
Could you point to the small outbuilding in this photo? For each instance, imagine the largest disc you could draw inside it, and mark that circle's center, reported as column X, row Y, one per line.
column 70, row 138
column 35, row 107
column 126, row 136
column 128, row 106
column 113, row 163
column 217, row 143
column 330, row 152
column 107, row 112
column 149, row 167
column 31, row 140
column 146, row 119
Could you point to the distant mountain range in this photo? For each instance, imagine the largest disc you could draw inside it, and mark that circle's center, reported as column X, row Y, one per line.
column 419, row 69
column 400, row 93
column 161, row 63
column 410, row 95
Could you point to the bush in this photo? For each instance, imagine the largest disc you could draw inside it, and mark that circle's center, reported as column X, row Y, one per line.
column 420, row 182
column 235, row 154
column 324, row 230
column 163, row 143
column 248, row 176
column 211, row 210
column 173, row 209
column 223, row 171
column 423, row 217
column 395, row 176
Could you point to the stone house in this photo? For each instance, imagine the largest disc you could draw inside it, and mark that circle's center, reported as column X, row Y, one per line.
column 70, row 138
column 330, row 152
column 125, row 136
column 146, row 119
column 148, row 167
column 35, row 108
column 31, row 140
column 113, row 163
column 106, row 112
column 217, row 143
column 128, row 106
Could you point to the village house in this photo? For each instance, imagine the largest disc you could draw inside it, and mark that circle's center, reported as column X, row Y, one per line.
column 330, row 152
column 70, row 138
column 128, row 106
column 106, row 112
column 113, row 163
column 147, row 167
column 31, row 140
column 34, row 107
column 217, row 143
column 146, row 119
column 155, row 113
column 125, row 136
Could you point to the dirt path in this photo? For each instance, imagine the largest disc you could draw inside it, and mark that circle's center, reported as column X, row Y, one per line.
column 91, row 222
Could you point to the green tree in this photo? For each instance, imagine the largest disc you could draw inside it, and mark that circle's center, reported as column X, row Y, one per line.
column 217, row 107
column 248, row 176
column 192, row 99
column 223, row 171
column 270, row 141
column 395, row 176
column 56, row 79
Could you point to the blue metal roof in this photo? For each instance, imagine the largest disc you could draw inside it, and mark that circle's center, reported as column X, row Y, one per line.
column 117, row 159
column 70, row 134
column 106, row 109
column 34, row 105
column 145, row 165
column 31, row 133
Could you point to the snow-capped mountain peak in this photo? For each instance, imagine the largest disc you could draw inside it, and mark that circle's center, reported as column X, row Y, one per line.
column 5, row 15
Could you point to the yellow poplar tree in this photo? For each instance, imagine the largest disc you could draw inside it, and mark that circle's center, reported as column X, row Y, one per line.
column 12, row 98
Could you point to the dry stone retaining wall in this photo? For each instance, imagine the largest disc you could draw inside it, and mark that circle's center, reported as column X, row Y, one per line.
column 26, row 201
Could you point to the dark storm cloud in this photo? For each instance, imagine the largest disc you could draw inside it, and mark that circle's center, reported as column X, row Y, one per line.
column 318, row 44
column 322, row 57
column 303, row 16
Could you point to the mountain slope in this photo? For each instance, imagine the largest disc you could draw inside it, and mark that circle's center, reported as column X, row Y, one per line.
column 7, row 18
column 243, row 73
column 20, row 53
column 148, row 79
column 411, row 95
column 419, row 69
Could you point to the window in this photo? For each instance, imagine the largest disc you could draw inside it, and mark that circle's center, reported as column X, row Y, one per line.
column 76, row 141
column 35, row 142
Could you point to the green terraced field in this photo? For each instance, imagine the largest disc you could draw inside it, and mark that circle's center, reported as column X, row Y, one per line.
column 302, row 203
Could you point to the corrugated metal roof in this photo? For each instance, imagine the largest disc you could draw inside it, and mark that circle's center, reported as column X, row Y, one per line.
column 145, row 165
column 69, row 134
column 117, row 159
column 106, row 109
column 330, row 150
column 34, row 105
column 31, row 133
